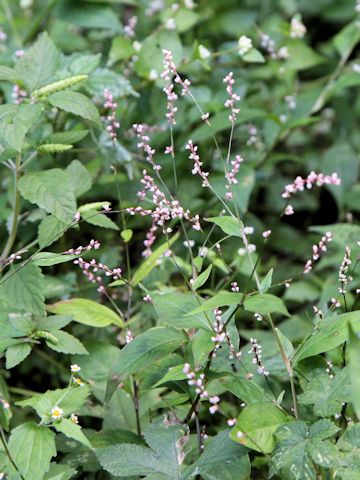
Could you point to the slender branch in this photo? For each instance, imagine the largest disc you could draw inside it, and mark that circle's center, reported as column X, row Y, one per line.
column 6, row 448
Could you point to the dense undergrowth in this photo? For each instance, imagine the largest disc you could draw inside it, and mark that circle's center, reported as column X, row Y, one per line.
column 179, row 205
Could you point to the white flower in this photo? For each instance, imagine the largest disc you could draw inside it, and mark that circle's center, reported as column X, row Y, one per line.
column 137, row 46
column 75, row 368
column 153, row 74
column 297, row 28
column 189, row 4
column 245, row 44
column 25, row 4
column 78, row 382
column 248, row 230
column 74, row 418
column 170, row 24
column 283, row 53
column 57, row 412
column 204, row 52
column 356, row 68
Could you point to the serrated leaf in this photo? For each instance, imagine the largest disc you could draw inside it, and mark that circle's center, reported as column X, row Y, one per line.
column 70, row 136
column 76, row 103
column 69, row 399
column 72, row 430
column 87, row 312
column 50, row 230
column 299, row 447
column 39, row 63
column 24, row 287
column 52, row 191
column 66, row 343
column 265, row 304
column 54, row 322
column 327, row 394
column 222, row 459
column 80, row 177
column 8, row 74
column 31, row 447
column 15, row 354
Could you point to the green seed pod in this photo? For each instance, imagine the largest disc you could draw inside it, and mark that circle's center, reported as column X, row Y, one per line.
column 57, row 86
column 47, row 336
column 54, row 147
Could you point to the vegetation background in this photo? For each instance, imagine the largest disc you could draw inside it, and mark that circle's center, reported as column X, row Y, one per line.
column 206, row 328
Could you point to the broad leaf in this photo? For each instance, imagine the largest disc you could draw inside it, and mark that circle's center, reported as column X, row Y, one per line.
column 72, row 430
column 15, row 354
column 86, row 311
column 50, row 230
column 256, row 425
column 24, row 287
column 76, row 103
column 221, row 299
column 229, row 225
column 80, row 178
column 32, row 447
column 66, row 343
column 52, row 191
column 354, row 367
column 265, row 304
column 202, row 278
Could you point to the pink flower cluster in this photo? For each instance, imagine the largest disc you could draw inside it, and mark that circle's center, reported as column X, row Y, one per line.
column 18, row 94
column 164, row 211
column 112, row 123
column 197, row 169
column 199, row 384
column 344, row 277
column 143, row 143
column 231, row 176
column 233, row 97
column 94, row 244
column 313, row 179
column 168, row 73
column 90, row 268
column 317, row 250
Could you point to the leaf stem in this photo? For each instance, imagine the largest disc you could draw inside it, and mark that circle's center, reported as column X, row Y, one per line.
column 15, row 218
column 6, row 448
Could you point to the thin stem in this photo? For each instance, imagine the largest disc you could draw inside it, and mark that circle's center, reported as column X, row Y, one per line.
column 137, row 407
column 198, row 432
column 6, row 448
column 16, row 213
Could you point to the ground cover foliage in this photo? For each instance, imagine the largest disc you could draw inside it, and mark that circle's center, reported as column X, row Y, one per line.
column 179, row 205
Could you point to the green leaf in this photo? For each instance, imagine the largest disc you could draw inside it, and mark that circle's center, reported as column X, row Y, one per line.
column 332, row 333
column 265, row 304
column 266, row 282
column 54, row 322
column 257, row 424
column 301, row 56
column 39, row 63
column 175, row 310
column 52, row 191
column 24, row 287
column 121, row 48
column 60, row 472
column 66, row 343
column 15, row 354
column 299, row 447
column 87, row 312
column 72, row 430
column 47, row 259
column 70, row 136
column 229, row 225
column 17, row 124
column 126, row 235
column 247, row 391
column 327, row 394
column 163, row 458
column 150, row 263
column 347, row 38
column 50, row 230
column 8, row 74
column 174, row 373
column 31, row 448
column 202, row 278
column 99, row 219
column 354, row 367
column 80, row 178
column 76, row 103
column 253, row 56
column 103, row 78
column 146, row 348
column 349, row 445
column 221, row 299
column 222, row 459
column 69, row 399
column 95, row 367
